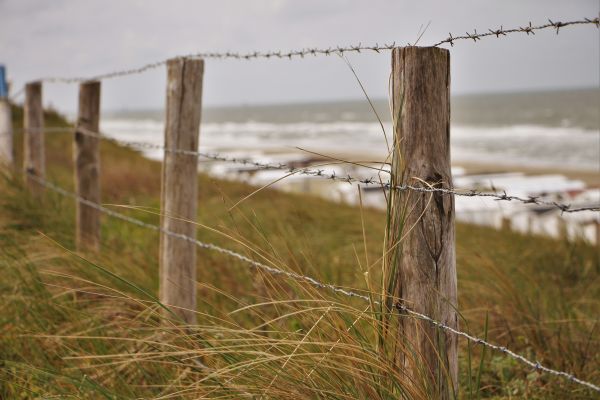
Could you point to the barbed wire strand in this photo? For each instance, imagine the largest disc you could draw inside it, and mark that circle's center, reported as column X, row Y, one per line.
column 528, row 29
column 338, row 50
column 533, row 364
column 208, row 246
column 277, row 272
column 564, row 208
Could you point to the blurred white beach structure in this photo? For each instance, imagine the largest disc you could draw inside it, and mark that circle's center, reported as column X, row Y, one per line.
column 524, row 218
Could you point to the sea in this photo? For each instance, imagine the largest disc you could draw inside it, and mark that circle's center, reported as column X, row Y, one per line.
column 546, row 129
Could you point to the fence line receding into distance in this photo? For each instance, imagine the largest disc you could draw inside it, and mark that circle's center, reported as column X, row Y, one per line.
column 425, row 75
column 321, row 173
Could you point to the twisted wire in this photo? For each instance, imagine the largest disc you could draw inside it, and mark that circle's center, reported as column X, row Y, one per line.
column 203, row 245
column 565, row 208
column 527, row 29
column 403, row 309
column 338, row 50
column 533, row 364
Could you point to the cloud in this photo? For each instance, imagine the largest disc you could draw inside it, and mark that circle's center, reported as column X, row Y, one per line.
column 87, row 37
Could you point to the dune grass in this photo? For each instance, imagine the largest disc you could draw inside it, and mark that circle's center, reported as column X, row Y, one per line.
column 88, row 325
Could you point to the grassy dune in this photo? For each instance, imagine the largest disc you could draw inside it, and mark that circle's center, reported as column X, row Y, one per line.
column 87, row 325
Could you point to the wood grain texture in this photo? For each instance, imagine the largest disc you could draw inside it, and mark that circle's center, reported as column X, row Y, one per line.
column 34, row 159
column 7, row 157
column 87, row 167
column 422, row 223
column 179, row 191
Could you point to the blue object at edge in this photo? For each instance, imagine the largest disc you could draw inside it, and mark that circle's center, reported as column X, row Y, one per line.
column 3, row 84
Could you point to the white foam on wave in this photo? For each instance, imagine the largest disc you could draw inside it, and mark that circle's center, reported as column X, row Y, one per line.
column 529, row 145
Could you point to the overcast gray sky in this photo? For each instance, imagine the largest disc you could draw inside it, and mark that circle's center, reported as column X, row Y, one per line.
column 86, row 37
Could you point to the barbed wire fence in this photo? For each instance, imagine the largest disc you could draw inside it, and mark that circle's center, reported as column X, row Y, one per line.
column 402, row 308
column 332, row 176
column 529, row 29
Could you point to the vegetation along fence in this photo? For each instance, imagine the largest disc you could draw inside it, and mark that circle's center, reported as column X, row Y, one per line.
column 420, row 180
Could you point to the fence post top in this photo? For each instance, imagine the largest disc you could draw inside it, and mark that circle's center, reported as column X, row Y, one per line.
column 33, row 84
column 420, row 49
column 179, row 60
column 91, row 82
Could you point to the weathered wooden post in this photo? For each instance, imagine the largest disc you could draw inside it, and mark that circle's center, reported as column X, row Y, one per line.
column 6, row 132
column 422, row 224
column 179, row 186
column 87, row 167
column 34, row 162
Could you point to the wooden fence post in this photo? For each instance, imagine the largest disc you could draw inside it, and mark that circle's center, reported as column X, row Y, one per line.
column 179, row 190
column 422, row 224
column 87, row 167
column 34, row 162
column 6, row 132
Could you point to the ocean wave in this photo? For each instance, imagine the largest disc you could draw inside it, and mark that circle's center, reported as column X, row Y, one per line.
column 514, row 144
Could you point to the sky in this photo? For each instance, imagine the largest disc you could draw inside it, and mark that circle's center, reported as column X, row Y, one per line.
column 89, row 37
